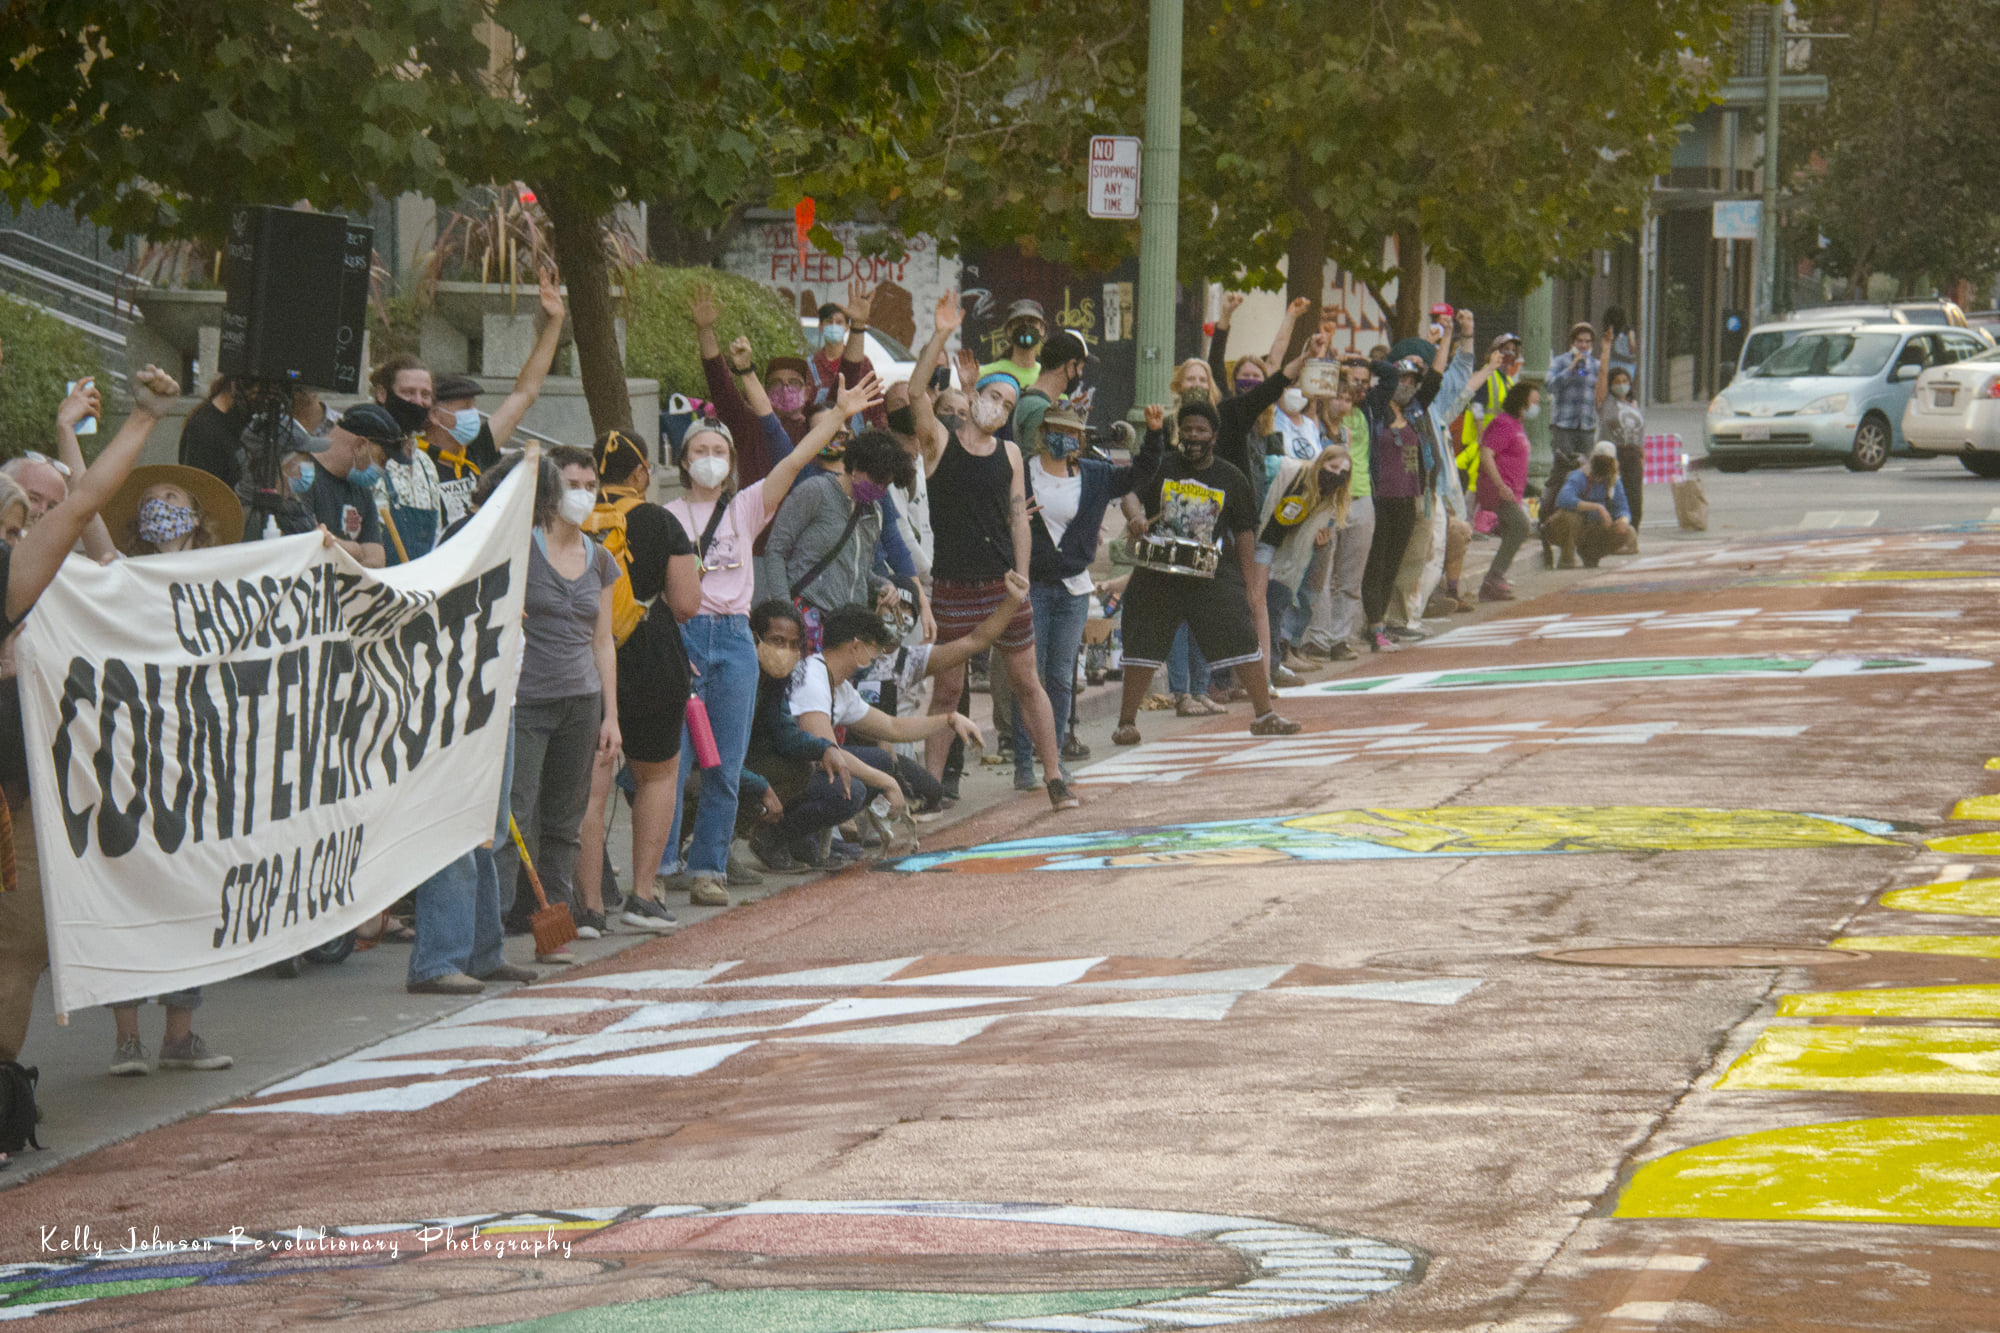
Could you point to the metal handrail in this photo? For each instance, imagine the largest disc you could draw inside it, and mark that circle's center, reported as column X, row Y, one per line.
column 106, row 273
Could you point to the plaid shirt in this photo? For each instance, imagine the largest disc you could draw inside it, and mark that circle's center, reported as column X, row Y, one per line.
column 1573, row 386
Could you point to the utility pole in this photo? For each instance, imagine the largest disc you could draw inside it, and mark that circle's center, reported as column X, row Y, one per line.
column 1767, row 220
column 1159, row 214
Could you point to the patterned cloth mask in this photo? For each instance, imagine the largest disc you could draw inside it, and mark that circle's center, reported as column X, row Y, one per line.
column 161, row 521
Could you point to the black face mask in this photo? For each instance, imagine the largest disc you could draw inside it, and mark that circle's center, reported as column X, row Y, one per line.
column 1196, row 453
column 1026, row 337
column 410, row 416
column 1330, row 481
column 952, row 423
column 902, row 420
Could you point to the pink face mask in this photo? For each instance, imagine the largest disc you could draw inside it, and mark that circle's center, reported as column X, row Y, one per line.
column 788, row 398
column 867, row 490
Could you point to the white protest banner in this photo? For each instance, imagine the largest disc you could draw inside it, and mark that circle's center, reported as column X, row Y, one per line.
column 239, row 753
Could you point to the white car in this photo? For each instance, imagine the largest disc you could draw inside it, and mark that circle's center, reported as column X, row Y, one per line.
column 890, row 360
column 1954, row 411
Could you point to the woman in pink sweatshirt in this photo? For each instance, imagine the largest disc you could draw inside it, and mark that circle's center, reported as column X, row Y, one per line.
column 1503, row 481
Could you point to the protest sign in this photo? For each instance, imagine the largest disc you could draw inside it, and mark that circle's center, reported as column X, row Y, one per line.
column 239, row 753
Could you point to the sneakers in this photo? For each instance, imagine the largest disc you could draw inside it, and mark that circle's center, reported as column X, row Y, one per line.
column 708, row 891
column 1342, row 652
column 1272, row 725
column 1405, row 633
column 1060, row 796
column 556, row 958
column 1314, row 652
column 450, row 983
column 1305, row 666
column 1284, row 675
column 772, row 853
column 1495, row 590
column 740, row 875
column 591, row 925
column 1569, row 562
column 1127, row 734
column 1441, row 604
column 675, row 883
column 130, row 1059
column 647, row 914
column 1380, row 642
column 191, row 1052
column 1074, row 748
column 1024, row 779
column 512, row 972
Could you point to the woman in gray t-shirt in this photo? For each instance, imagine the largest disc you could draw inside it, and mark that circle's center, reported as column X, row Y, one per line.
column 568, row 670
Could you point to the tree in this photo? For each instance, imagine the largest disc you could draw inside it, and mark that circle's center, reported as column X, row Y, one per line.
column 1899, row 171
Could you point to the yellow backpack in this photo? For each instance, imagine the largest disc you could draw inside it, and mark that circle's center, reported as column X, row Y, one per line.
column 607, row 524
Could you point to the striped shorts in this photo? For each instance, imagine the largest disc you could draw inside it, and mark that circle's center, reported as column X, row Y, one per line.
column 960, row 607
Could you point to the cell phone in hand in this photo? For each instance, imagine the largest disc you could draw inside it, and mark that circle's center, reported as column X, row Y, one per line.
column 87, row 426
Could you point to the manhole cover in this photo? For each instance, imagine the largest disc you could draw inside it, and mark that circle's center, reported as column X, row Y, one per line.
column 1708, row 955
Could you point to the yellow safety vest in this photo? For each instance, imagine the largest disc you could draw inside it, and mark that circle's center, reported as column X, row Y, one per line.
column 1471, row 428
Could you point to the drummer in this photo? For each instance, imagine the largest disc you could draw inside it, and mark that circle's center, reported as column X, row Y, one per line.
column 1194, row 568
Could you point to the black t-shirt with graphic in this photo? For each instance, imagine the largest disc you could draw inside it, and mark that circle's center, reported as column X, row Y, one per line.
column 347, row 510
column 1209, row 505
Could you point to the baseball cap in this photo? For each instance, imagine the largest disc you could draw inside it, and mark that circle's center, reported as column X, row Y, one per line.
column 1062, row 348
column 450, row 388
column 1604, row 449
column 1502, row 341
column 1411, row 365
column 1025, row 309
column 371, row 421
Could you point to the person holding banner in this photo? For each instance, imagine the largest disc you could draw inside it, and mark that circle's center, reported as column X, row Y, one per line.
column 26, row 570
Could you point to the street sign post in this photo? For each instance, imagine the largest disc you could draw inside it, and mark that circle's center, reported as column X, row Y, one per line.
column 1114, row 177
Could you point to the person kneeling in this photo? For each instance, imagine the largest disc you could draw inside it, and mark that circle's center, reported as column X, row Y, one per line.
column 1591, row 514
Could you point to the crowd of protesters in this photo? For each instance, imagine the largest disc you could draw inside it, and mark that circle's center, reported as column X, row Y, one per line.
column 840, row 561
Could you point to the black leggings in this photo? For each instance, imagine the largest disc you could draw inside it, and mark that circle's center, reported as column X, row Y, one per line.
column 1395, row 519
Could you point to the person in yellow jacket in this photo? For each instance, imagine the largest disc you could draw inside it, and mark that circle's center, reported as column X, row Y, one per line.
column 1485, row 403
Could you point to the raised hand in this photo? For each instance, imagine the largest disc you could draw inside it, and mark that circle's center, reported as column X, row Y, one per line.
column 741, row 354
column 154, row 391
column 82, row 402
column 552, row 304
column 855, row 398
column 1317, row 344
column 703, row 307
column 1299, row 306
column 950, row 315
column 968, row 371
column 860, row 302
column 1463, row 320
column 1156, row 417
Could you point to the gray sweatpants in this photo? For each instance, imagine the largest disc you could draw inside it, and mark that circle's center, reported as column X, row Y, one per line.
column 555, row 744
column 1335, row 579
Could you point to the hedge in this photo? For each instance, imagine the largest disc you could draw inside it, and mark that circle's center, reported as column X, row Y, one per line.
column 659, row 333
column 39, row 355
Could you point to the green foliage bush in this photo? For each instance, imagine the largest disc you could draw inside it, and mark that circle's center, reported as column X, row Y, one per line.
column 39, row 355
column 659, row 333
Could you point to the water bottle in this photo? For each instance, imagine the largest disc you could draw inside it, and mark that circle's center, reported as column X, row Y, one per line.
column 880, row 807
column 701, row 734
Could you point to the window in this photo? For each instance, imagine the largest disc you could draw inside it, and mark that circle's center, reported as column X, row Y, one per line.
column 1847, row 355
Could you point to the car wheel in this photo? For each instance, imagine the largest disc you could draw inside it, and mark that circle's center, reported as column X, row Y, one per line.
column 1732, row 465
column 1981, row 465
column 1871, row 446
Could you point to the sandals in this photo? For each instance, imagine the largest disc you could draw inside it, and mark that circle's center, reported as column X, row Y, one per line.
column 1125, row 735
column 1198, row 705
column 1273, row 725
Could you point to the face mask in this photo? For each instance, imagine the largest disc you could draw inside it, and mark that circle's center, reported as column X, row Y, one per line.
column 776, row 662
column 1059, row 446
column 304, row 481
column 410, row 416
column 1026, row 337
column 709, row 471
column 575, row 506
column 867, row 490
column 1295, row 401
column 1331, row 481
column 1195, row 451
column 902, row 420
column 833, row 335
column 1196, row 396
column 365, row 477
column 1621, row 391
column 1532, row 412
column 951, row 423
column 788, row 398
column 1245, row 383
column 160, row 521
column 1405, row 391
column 465, row 425
column 989, row 414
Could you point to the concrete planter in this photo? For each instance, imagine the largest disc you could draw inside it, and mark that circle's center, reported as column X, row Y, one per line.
column 488, row 328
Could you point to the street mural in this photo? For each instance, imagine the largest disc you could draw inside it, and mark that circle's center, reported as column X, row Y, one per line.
column 803, row 1266
column 1768, row 666
column 1183, row 757
column 1976, row 579
column 1522, row 629
column 1379, row 834
column 680, row 1022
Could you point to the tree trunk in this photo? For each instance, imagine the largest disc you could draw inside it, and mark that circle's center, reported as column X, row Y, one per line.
column 1409, row 314
column 577, row 235
column 681, row 246
column 1305, row 272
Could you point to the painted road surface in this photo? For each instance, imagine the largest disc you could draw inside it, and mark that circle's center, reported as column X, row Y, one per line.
column 1623, row 960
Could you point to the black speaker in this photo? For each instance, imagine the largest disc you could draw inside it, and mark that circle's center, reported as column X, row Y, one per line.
column 292, row 310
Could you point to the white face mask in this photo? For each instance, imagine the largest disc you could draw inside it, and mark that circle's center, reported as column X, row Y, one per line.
column 989, row 414
column 709, row 471
column 1531, row 413
column 1621, row 391
column 575, row 506
column 1294, row 401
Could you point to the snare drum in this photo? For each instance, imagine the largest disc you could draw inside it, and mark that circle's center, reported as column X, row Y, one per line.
column 1176, row 555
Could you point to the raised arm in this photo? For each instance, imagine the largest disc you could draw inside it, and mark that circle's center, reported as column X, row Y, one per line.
column 1294, row 312
column 860, row 305
column 930, row 431
column 82, row 402
column 743, row 365
column 1604, row 369
column 506, row 418
column 43, row 548
column 1218, row 343
column 857, row 398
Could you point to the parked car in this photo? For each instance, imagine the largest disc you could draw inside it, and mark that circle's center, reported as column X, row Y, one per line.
column 1768, row 338
column 890, row 360
column 1899, row 312
column 1830, row 394
column 1954, row 411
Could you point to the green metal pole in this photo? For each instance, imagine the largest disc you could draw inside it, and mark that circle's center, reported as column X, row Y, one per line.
column 1538, row 337
column 1767, row 222
column 1160, row 207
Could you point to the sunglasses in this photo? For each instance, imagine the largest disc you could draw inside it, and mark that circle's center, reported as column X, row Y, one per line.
column 56, row 463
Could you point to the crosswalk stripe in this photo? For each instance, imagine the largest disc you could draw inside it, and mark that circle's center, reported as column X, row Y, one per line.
column 1840, row 518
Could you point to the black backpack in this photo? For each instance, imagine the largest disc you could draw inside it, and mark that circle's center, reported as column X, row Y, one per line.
column 17, row 1106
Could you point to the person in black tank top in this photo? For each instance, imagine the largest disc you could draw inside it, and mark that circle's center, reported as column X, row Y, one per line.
column 979, row 522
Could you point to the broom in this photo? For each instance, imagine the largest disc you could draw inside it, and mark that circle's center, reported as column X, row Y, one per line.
column 553, row 926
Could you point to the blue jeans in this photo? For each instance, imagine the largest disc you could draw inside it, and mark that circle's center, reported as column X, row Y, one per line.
column 1187, row 669
column 1059, row 617
column 725, row 654
column 1278, row 606
column 451, row 938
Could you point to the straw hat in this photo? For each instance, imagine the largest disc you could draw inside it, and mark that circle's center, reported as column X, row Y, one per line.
column 219, row 505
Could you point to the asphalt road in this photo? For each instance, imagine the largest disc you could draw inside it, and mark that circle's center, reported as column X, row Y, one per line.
column 1308, row 1034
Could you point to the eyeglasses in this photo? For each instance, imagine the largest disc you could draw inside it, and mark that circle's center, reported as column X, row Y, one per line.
column 707, row 568
column 56, row 463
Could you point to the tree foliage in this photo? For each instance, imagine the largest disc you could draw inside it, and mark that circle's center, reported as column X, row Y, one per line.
column 660, row 337
column 1900, row 171
column 39, row 355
